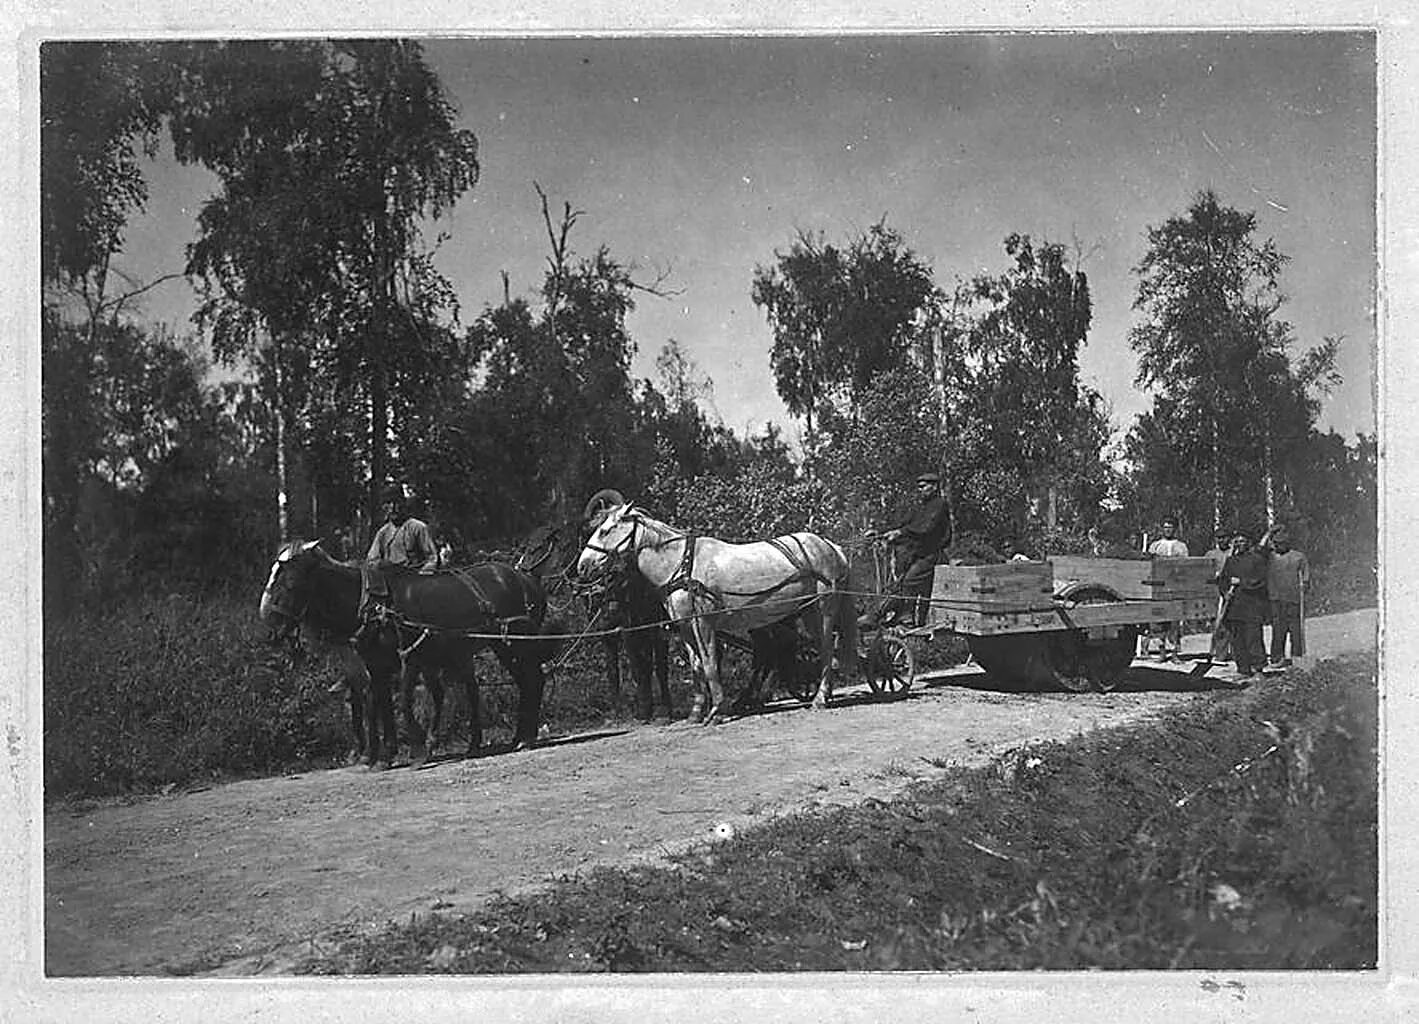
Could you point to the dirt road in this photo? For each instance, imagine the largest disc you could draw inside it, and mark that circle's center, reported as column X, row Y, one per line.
column 238, row 879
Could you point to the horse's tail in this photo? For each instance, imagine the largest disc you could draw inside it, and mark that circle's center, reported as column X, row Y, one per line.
column 845, row 613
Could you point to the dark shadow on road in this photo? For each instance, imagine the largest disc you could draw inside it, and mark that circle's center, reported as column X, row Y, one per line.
column 1137, row 679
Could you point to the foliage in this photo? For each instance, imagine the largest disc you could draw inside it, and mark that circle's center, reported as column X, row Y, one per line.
column 165, row 691
column 840, row 316
column 867, row 460
column 1237, row 833
column 1231, row 408
column 1026, row 439
column 330, row 156
column 101, row 107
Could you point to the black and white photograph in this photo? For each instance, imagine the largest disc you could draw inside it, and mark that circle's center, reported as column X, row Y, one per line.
column 707, row 524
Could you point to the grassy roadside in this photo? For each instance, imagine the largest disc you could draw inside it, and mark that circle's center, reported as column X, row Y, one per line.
column 1238, row 832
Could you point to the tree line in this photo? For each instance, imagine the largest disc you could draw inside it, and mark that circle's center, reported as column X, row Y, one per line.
column 348, row 363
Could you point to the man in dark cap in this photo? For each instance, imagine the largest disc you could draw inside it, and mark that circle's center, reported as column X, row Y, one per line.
column 1243, row 579
column 920, row 538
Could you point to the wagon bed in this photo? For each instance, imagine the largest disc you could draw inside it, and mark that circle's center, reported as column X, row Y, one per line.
column 1067, row 622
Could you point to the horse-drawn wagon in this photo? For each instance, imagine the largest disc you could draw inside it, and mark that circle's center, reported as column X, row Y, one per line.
column 1067, row 622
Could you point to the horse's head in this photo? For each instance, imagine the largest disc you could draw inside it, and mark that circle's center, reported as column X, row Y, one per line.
column 613, row 540
column 284, row 599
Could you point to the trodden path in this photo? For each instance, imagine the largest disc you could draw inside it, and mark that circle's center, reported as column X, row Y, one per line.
column 240, row 878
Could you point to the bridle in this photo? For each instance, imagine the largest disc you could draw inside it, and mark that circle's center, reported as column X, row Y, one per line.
column 291, row 613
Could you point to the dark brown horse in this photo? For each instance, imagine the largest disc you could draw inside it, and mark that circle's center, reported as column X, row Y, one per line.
column 421, row 621
column 622, row 610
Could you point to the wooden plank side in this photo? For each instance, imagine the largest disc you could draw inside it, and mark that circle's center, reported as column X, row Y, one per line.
column 1124, row 576
column 972, row 620
column 1013, row 586
column 1157, row 579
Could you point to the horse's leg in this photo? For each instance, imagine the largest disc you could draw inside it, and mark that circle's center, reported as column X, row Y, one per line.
column 374, row 717
column 704, row 633
column 409, row 672
column 611, row 644
column 641, row 656
column 697, row 672
column 530, row 682
column 433, row 682
column 356, row 695
column 475, row 711
column 660, row 650
column 391, row 730
column 822, row 625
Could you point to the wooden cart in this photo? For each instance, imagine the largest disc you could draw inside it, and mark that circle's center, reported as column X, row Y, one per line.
column 1065, row 623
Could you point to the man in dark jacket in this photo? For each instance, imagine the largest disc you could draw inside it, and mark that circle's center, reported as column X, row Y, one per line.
column 920, row 537
column 1243, row 577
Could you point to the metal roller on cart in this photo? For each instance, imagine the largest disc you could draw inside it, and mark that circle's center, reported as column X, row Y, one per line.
column 1068, row 623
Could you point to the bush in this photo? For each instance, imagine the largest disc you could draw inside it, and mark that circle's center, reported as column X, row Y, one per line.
column 167, row 691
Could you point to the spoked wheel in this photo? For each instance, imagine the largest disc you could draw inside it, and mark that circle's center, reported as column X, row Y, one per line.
column 603, row 500
column 891, row 664
column 804, row 683
column 1100, row 664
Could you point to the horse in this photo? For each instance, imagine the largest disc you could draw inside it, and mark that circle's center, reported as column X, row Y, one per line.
column 428, row 620
column 623, row 610
column 710, row 585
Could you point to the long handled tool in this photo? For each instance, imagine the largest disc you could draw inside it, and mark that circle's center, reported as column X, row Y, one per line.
column 1219, row 634
column 1298, row 642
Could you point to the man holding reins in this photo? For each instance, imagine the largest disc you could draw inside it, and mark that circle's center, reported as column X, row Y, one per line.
column 920, row 536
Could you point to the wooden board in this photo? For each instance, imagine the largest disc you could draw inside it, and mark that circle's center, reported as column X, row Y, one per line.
column 1157, row 579
column 1100, row 619
column 1013, row 586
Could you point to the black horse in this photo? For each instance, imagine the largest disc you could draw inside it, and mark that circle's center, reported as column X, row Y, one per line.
column 417, row 621
column 623, row 610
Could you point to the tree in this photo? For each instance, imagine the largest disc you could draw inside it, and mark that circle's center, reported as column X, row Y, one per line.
column 840, row 316
column 1212, row 346
column 331, row 155
column 1025, row 437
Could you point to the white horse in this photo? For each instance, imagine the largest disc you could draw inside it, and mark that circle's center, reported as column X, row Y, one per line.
column 710, row 585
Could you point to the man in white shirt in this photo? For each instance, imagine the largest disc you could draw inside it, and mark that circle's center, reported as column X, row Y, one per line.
column 403, row 540
column 1169, row 546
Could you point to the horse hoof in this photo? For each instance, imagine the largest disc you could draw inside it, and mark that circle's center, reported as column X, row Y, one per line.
column 381, row 766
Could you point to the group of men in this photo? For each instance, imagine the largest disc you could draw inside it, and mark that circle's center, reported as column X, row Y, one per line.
column 1262, row 582
column 1259, row 583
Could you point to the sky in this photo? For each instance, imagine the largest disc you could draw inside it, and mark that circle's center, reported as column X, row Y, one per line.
column 701, row 157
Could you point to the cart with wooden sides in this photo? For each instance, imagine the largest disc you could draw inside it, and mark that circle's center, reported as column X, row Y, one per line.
column 1067, row 622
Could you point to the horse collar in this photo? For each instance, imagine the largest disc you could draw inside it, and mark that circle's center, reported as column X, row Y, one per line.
column 683, row 576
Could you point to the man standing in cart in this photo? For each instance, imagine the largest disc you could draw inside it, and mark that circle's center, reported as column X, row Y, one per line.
column 1169, row 546
column 921, row 536
column 1287, row 574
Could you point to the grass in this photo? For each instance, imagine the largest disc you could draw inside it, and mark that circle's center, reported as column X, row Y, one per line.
column 1238, row 832
column 163, row 693
column 167, row 692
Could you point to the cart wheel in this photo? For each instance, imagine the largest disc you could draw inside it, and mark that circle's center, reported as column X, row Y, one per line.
column 1093, row 664
column 804, row 684
column 891, row 665
column 601, row 501
column 1023, row 660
